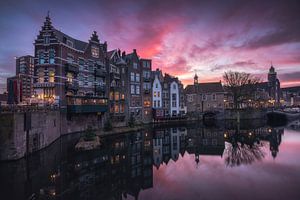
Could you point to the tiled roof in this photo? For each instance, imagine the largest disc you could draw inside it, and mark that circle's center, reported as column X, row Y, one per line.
column 204, row 88
column 77, row 44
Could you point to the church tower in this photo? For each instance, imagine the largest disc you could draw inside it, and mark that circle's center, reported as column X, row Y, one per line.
column 195, row 79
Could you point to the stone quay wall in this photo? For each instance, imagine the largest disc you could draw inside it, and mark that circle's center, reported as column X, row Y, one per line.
column 22, row 134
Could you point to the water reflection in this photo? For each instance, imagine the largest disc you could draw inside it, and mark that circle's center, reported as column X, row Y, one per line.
column 123, row 166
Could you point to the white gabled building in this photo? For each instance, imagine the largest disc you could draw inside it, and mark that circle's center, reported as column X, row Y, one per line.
column 156, row 92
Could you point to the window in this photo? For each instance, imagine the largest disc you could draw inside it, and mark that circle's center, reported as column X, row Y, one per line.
column 46, row 40
column 135, row 65
column 117, row 109
column 203, row 97
column 154, row 104
column 137, row 77
column 95, row 51
column 117, row 96
column 70, row 58
column 41, row 58
column 69, row 77
column 132, row 76
column 174, row 87
column 111, row 95
column 158, row 103
column 51, row 75
column 158, row 94
column 40, row 75
column 156, row 85
column 132, row 89
column 122, row 108
column 137, row 89
column 154, row 94
column 214, row 97
column 70, row 43
column 51, row 56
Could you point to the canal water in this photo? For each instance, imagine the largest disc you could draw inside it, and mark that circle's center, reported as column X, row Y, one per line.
column 246, row 161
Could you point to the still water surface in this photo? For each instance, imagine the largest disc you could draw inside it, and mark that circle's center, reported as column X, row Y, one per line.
column 195, row 162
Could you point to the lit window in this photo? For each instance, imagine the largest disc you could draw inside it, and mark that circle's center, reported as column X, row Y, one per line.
column 69, row 77
column 51, row 76
column 135, row 65
column 117, row 96
column 95, row 52
column 132, row 76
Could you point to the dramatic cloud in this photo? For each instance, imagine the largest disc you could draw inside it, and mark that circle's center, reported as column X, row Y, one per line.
column 181, row 37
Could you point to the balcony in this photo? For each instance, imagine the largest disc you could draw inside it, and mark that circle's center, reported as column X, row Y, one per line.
column 100, row 72
column 86, row 108
column 72, row 67
column 72, row 86
column 147, row 79
column 115, row 76
column 147, row 91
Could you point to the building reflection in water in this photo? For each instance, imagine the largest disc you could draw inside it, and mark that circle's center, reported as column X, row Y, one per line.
column 123, row 166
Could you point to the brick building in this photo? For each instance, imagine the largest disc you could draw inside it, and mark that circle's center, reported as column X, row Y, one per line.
column 202, row 97
column 69, row 71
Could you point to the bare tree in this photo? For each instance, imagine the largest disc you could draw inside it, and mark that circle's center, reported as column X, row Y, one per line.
column 240, row 85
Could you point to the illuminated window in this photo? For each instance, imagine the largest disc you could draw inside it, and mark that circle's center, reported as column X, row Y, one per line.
column 117, row 109
column 117, row 96
column 123, row 96
column 41, row 75
column 135, row 65
column 154, row 94
column 95, row 52
column 69, row 77
column 147, row 103
column 158, row 94
column 122, row 108
column 111, row 95
column 51, row 76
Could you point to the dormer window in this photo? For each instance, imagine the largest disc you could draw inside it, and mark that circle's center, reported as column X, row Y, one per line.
column 70, row 43
column 95, row 52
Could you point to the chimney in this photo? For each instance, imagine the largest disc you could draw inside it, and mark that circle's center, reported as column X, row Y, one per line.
column 123, row 54
column 134, row 50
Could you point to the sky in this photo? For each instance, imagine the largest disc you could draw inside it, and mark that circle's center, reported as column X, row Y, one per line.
column 181, row 37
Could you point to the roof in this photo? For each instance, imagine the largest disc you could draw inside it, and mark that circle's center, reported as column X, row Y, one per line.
column 77, row 44
column 291, row 89
column 110, row 53
column 204, row 88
